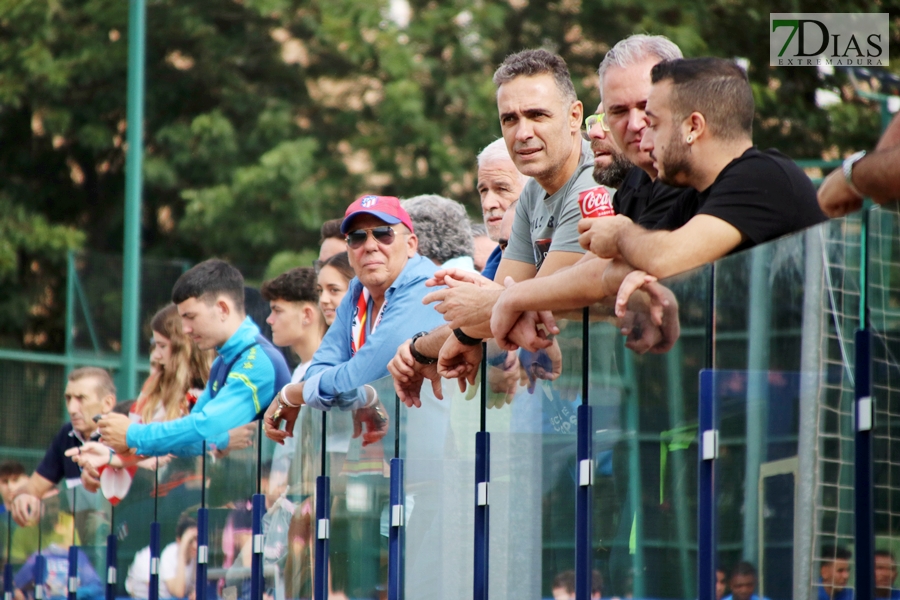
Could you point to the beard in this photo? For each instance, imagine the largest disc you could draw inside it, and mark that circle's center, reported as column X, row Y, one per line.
column 613, row 174
column 675, row 167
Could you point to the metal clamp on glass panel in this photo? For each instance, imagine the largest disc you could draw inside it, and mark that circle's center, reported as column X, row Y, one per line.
column 73, row 585
column 397, row 515
column 202, row 554
column 711, row 444
column 154, row 566
column 864, row 410
column 323, row 529
column 586, row 472
column 257, row 543
column 111, row 576
column 483, row 493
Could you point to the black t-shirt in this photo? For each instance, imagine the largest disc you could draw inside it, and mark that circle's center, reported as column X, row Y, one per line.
column 764, row 195
column 56, row 465
column 644, row 200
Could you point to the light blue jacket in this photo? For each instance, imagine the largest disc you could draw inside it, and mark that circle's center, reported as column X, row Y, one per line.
column 335, row 377
column 250, row 385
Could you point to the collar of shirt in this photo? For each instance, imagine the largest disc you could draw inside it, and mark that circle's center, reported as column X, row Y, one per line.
column 239, row 340
column 415, row 267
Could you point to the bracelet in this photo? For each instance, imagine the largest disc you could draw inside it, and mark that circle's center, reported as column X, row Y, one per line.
column 112, row 453
column 420, row 358
column 283, row 401
column 847, row 167
column 464, row 339
column 374, row 401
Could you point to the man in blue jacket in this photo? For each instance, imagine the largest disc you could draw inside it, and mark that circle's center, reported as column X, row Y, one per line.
column 382, row 308
column 244, row 377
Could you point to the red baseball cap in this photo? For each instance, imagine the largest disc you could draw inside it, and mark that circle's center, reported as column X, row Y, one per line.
column 386, row 208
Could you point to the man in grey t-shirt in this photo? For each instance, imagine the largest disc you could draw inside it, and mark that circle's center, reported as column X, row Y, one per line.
column 549, row 222
column 541, row 120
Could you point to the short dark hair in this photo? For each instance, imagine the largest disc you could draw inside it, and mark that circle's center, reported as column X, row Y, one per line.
column 832, row 553
column 207, row 280
column 715, row 87
column 529, row 63
column 11, row 468
column 296, row 285
column 566, row 581
column 743, row 568
column 341, row 262
column 877, row 553
column 331, row 229
column 185, row 522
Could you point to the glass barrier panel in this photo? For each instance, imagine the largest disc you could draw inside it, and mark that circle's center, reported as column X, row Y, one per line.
column 883, row 294
column 289, row 474
column 231, row 484
column 783, row 406
column 360, row 494
column 163, row 490
column 437, row 445
column 533, row 426
column 644, row 393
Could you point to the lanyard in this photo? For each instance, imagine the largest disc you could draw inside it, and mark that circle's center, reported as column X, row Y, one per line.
column 360, row 317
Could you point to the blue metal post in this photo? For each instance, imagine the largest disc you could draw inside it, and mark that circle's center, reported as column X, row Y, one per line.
column 396, row 534
column 153, row 586
column 583, row 529
column 202, row 534
column 111, row 571
column 7, row 569
column 706, row 489
column 256, row 564
column 323, row 532
column 865, row 504
column 72, row 582
column 482, row 511
column 40, row 575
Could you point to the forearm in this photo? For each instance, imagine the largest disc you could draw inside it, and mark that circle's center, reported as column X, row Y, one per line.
column 578, row 286
column 891, row 136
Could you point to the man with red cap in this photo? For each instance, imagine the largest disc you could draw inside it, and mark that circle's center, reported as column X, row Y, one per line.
column 382, row 308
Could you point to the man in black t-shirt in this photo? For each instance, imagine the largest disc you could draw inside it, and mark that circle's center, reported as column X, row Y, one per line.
column 700, row 114
column 624, row 86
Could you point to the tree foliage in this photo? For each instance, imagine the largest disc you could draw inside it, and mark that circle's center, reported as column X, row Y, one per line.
column 266, row 117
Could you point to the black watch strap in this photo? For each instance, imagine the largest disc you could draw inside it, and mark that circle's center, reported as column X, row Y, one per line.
column 464, row 339
column 420, row 358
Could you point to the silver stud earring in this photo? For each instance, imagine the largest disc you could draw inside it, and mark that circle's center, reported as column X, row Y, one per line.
column 690, row 139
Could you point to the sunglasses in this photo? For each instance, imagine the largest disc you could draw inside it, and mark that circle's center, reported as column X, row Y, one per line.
column 383, row 235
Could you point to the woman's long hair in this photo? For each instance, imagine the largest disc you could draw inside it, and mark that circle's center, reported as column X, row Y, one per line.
column 188, row 368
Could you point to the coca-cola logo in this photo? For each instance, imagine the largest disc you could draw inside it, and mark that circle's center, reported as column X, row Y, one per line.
column 595, row 203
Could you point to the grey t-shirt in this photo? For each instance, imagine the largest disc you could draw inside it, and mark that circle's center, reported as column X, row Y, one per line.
column 550, row 223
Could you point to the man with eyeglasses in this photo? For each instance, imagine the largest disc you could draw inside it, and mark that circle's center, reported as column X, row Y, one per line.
column 382, row 308
column 624, row 87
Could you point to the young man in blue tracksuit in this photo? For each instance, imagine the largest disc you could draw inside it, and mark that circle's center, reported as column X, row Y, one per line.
column 246, row 375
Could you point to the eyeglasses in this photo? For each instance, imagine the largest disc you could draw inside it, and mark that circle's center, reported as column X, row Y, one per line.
column 593, row 120
column 383, row 235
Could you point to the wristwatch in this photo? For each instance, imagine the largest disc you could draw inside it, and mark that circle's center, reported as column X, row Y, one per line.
column 848, row 171
column 420, row 358
column 465, row 339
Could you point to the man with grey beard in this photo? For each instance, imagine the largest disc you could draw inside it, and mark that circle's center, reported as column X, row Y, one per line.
column 610, row 164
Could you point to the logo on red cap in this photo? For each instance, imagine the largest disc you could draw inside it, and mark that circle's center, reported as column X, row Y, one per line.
column 368, row 201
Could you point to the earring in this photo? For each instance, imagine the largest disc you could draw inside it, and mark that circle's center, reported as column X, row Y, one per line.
column 690, row 139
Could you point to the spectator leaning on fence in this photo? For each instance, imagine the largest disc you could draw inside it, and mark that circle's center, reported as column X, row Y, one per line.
column 382, row 308
column 541, row 120
column 700, row 114
column 244, row 377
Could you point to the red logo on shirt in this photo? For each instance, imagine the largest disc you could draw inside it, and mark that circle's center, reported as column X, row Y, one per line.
column 595, row 203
